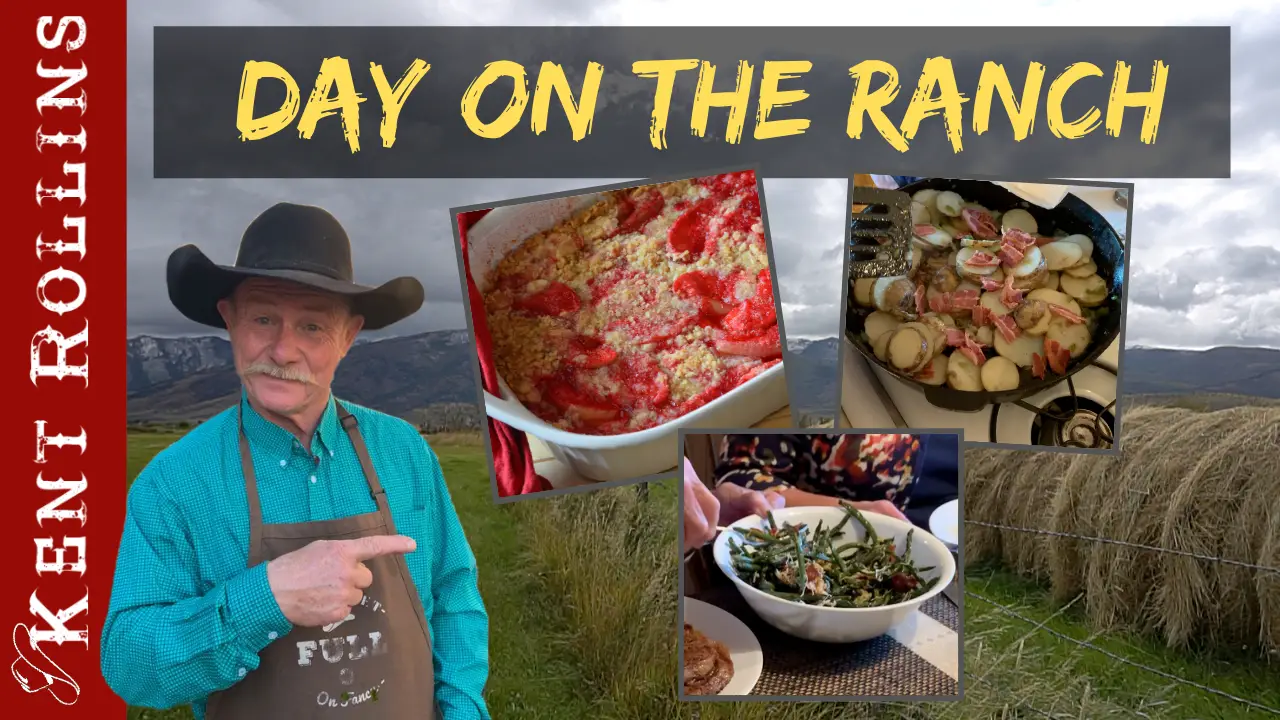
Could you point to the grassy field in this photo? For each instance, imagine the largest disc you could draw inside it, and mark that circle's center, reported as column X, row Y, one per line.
column 581, row 595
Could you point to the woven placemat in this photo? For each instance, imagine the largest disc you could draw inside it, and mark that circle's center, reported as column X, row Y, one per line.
column 881, row 667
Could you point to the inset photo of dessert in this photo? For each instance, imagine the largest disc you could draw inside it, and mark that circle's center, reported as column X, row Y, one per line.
column 608, row 318
column 994, row 307
column 821, row 566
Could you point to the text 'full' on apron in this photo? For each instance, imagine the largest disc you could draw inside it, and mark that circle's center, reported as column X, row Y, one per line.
column 374, row 664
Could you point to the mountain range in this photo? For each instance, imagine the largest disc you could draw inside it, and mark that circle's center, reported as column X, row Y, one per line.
column 188, row 379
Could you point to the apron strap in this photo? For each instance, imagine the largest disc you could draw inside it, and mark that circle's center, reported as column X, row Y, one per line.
column 250, row 491
column 351, row 426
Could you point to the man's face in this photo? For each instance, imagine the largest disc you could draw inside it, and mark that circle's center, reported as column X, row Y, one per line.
column 287, row 341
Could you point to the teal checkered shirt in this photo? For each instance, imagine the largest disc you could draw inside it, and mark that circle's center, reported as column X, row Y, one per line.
column 187, row 618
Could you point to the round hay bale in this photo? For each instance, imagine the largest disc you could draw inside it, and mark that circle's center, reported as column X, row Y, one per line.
column 984, row 497
column 1202, row 510
column 1267, row 582
column 1250, row 464
column 1071, row 512
column 1130, row 498
column 1036, row 480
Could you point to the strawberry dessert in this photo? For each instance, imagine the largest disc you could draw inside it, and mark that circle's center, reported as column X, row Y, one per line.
column 638, row 309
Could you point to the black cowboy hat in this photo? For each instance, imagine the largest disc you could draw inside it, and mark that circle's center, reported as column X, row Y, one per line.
column 298, row 243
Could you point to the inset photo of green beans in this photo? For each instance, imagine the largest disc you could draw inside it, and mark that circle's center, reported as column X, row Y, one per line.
column 821, row 566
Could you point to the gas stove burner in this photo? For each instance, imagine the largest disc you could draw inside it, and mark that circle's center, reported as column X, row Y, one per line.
column 1073, row 421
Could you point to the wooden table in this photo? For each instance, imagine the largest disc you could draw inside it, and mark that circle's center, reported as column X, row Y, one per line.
column 561, row 476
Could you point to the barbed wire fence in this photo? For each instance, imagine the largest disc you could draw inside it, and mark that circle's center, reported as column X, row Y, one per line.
column 1042, row 626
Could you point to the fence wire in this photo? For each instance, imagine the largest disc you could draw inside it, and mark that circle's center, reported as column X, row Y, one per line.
column 1138, row 546
column 1121, row 659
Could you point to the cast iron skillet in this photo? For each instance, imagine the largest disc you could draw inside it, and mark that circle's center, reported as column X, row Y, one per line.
column 1073, row 216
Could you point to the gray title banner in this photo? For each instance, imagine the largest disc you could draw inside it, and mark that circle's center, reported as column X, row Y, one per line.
column 199, row 75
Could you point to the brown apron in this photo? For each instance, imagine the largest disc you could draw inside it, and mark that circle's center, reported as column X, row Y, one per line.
column 375, row 664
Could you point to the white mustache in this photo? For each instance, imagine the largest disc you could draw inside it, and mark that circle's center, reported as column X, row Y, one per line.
column 278, row 372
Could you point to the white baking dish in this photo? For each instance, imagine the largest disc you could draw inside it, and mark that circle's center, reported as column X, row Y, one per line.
column 604, row 457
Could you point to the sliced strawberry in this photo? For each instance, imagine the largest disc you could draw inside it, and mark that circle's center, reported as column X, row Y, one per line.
column 625, row 207
column 766, row 345
column 745, row 215
column 688, row 234
column 591, row 353
column 661, row 390
column 696, row 284
column 556, row 299
column 650, row 205
column 1037, row 366
column 728, row 184
column 586, row 408
column 750, row 318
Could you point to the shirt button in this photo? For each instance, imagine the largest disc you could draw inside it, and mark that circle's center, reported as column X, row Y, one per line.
column 330, row 453
column 313, row 478
column 283, row 463
column 272, row 635
column 243, row 672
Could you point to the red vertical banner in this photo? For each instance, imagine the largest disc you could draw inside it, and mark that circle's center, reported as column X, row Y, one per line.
column 64, row 285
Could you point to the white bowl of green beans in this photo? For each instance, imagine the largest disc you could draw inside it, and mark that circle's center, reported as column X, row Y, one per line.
column 862, row 573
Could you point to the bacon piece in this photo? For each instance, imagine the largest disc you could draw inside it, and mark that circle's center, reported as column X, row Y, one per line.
column 1059, row 357
column 1065, row 314
column 982, row 258
column 1020, row 239
column 921, row 305
column 1010, row 296
column 1037, row 366
column 964, row 299
column 1010, row 255
column 1041, row 241
column 980, row 223
column 1006, row 326
column 955, row 337
column 991, row 285
column 923, row 230
column 974, row 354
column 981, row 315
column 940, row 303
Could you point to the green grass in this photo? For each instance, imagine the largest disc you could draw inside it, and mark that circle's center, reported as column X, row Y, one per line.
column 581, row 597
column 1231, row 672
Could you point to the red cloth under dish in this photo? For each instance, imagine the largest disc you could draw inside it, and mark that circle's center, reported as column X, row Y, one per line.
column 512, row 461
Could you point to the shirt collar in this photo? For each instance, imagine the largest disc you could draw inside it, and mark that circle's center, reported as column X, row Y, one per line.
column 277, row 441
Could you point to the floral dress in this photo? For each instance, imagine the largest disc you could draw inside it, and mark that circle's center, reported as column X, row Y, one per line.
column 856, row 467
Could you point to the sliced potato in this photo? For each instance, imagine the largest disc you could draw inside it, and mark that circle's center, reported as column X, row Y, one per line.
column 925, row 197
column 998, row 275
column 1035, row 280
column 917, row 255
column 1033, row 316
column 1020, row 350
column 991, row 301
column 878, row 323
column 949, row 203
column 985, row 335
column 938, row 376
column 908, row 349
column 1020, row 219
column 1050, row 281
column 881, row 347
column 1000, row 374
column 1084, row 241
column 1054, row 297
column 1072, row 336
column 862, row 291
column 1060, row 255
column 1030, row 264
column 919, row 213
column 1089, row 291
column 933, row 338
column 1083, row 270
column 939, row 239
column 963, row 255
column 962, row 374
column 879, row 291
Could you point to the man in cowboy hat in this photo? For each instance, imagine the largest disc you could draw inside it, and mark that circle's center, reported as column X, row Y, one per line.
column 295, row 556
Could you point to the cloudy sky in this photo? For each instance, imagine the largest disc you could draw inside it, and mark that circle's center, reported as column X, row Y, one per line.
column 1204, row 251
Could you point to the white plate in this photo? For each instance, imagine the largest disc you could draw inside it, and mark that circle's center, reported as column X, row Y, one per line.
column 944, row 523
column 744, row 649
